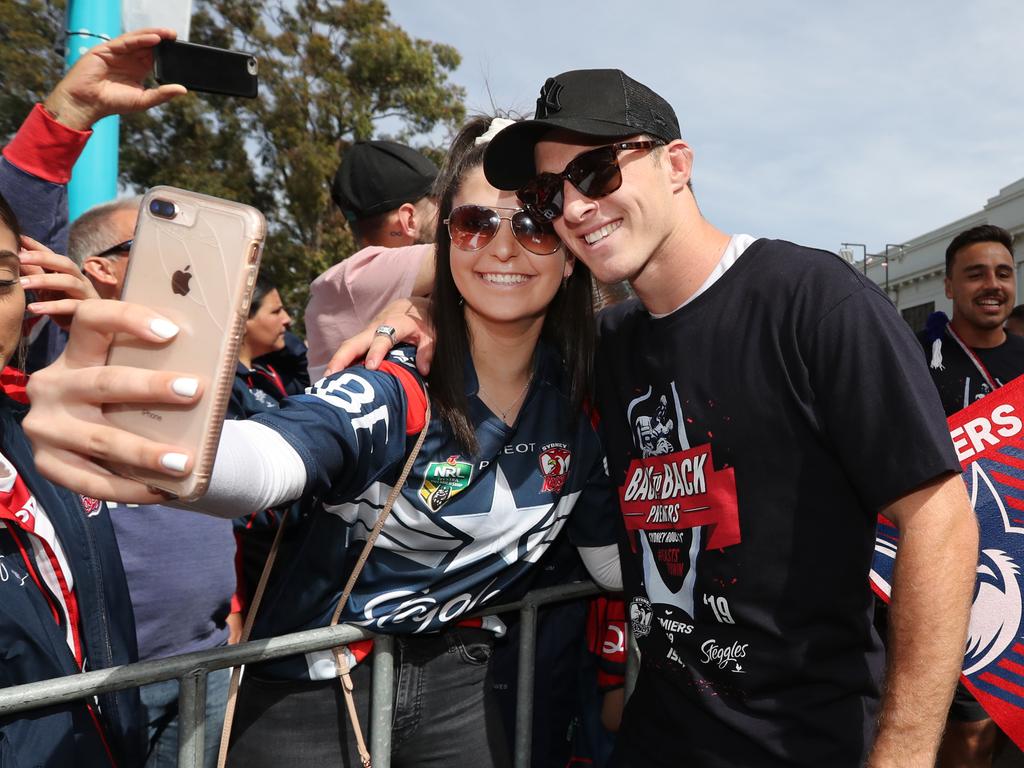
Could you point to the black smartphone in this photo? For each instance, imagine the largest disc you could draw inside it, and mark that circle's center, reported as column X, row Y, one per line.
column 206, row 69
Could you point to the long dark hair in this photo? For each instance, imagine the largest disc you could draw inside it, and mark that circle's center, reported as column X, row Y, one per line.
column 9, row 219
column 568, row 324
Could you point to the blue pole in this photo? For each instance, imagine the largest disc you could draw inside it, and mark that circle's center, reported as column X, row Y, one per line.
column 94, row 177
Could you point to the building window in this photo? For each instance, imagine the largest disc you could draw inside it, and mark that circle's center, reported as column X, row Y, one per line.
column 917, row 316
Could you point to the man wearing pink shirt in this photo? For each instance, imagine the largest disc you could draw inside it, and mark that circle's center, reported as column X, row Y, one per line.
column 383, row 189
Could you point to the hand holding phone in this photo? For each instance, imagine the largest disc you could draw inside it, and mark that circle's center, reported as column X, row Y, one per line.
column 194, row 260
column 207, row 69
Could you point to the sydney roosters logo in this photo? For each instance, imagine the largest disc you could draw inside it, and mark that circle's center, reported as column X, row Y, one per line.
column 554, row 464
column 90, row 506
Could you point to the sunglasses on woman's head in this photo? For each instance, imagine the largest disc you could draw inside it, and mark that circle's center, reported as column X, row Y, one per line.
column 471, row 227
column 594, row 173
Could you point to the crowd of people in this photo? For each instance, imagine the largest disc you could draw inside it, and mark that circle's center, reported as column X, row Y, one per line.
column 711, row 446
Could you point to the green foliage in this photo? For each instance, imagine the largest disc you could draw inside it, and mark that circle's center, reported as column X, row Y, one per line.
column 31, row 57
column 331, row 72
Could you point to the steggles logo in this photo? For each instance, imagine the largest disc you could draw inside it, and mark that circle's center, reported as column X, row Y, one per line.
column 548, row 102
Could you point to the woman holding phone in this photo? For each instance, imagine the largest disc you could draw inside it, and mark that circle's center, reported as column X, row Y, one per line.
column 508, row 452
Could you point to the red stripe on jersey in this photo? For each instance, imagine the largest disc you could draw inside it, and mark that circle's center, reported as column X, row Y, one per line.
column 416, row 398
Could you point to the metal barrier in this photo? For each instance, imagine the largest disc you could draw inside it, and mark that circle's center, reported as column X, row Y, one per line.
column 191, row 670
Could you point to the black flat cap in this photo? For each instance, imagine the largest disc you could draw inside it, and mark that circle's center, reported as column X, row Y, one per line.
column 379, row 176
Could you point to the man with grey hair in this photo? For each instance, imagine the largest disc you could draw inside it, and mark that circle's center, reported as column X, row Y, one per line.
column 100, row 240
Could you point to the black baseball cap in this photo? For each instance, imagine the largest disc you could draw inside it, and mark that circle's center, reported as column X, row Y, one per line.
column 603, row 103
column 379, row 176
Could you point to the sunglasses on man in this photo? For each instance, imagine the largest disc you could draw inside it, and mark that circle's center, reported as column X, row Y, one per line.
column 471, row 227
column 594, row 173
column 118, row 250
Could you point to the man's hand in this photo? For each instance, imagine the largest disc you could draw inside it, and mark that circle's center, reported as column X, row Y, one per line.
column 110, row 80
column 933, row 584
column 58, row 283
column 412, row 323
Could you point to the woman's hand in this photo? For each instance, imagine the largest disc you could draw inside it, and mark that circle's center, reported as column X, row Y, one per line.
column 412, row 323
column 56, row 280
column 69, row 431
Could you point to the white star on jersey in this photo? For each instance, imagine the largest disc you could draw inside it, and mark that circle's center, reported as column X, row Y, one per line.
column 512, row 532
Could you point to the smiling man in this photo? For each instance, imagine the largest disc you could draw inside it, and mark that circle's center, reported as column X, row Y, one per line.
column 760, row 403
column 969, row 356
column 972, row 354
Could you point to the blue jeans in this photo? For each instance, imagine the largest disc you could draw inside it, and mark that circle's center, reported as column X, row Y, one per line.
column 160, row 702
column 444, row 715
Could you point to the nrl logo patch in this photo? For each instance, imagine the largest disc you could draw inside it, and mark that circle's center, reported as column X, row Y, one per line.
column 443, row 480
column 554, row 464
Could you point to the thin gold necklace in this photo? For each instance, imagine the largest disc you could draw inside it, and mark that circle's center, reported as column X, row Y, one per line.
column 503, row 413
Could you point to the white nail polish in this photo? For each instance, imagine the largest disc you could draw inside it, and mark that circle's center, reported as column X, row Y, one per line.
column 165, row 329
column 185, row 387
column 174, row 461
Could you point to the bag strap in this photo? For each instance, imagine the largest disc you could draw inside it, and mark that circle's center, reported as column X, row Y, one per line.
column 250, row 618
column 341, row 660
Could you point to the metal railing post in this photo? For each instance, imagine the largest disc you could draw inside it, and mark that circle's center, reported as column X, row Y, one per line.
column 191, row 669
column 191, row 718
column 524, row 683
column 382, row 702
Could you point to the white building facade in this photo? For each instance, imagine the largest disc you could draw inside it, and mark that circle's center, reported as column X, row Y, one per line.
column 913, row 272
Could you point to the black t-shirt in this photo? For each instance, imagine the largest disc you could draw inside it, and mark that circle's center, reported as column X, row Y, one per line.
column 753, row 435
column 958, row 379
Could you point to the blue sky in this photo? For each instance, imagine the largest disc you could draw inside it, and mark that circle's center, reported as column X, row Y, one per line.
column 817, row 122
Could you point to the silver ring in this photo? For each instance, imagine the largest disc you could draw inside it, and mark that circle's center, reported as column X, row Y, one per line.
column 387, row 330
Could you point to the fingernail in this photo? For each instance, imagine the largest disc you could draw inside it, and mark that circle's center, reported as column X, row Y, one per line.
column 24, row 281
column 186, row 387
column 165, row 329
column 174, row 461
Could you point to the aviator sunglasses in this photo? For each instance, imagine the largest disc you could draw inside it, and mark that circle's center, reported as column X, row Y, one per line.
column 471, row 227
column 595, row 173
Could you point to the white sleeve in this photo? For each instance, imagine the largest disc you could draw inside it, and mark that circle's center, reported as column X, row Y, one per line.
column 603, row 566
column 255, row 469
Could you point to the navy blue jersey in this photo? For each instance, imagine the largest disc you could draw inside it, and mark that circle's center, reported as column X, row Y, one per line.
column 464, row 530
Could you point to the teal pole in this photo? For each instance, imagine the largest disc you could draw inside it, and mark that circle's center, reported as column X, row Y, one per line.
column 94, row 177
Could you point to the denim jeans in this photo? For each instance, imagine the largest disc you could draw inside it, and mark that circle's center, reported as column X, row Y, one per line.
column 444, row 714
column 160, row 702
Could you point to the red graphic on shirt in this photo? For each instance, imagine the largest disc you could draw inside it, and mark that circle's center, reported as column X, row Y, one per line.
column 678, row 491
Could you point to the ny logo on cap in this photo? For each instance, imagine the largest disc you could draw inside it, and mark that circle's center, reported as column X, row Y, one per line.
column 548, row 102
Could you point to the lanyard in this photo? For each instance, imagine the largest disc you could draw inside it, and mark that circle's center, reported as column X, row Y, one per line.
column 19, row 510
column 989, row 379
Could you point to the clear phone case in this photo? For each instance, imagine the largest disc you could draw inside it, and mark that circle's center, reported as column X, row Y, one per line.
column 194, row 260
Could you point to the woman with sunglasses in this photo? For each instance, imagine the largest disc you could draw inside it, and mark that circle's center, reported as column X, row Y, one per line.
column 508, row 452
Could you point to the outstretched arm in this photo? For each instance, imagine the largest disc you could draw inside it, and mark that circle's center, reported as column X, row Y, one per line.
column 933, row 584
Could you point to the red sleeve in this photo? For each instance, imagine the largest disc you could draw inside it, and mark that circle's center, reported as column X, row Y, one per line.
column 45, row 148
column 414, row 395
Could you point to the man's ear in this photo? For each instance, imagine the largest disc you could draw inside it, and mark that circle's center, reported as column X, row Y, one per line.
column 680, row 160
column 407, row 219
column 948, row 284
column 99, row 270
